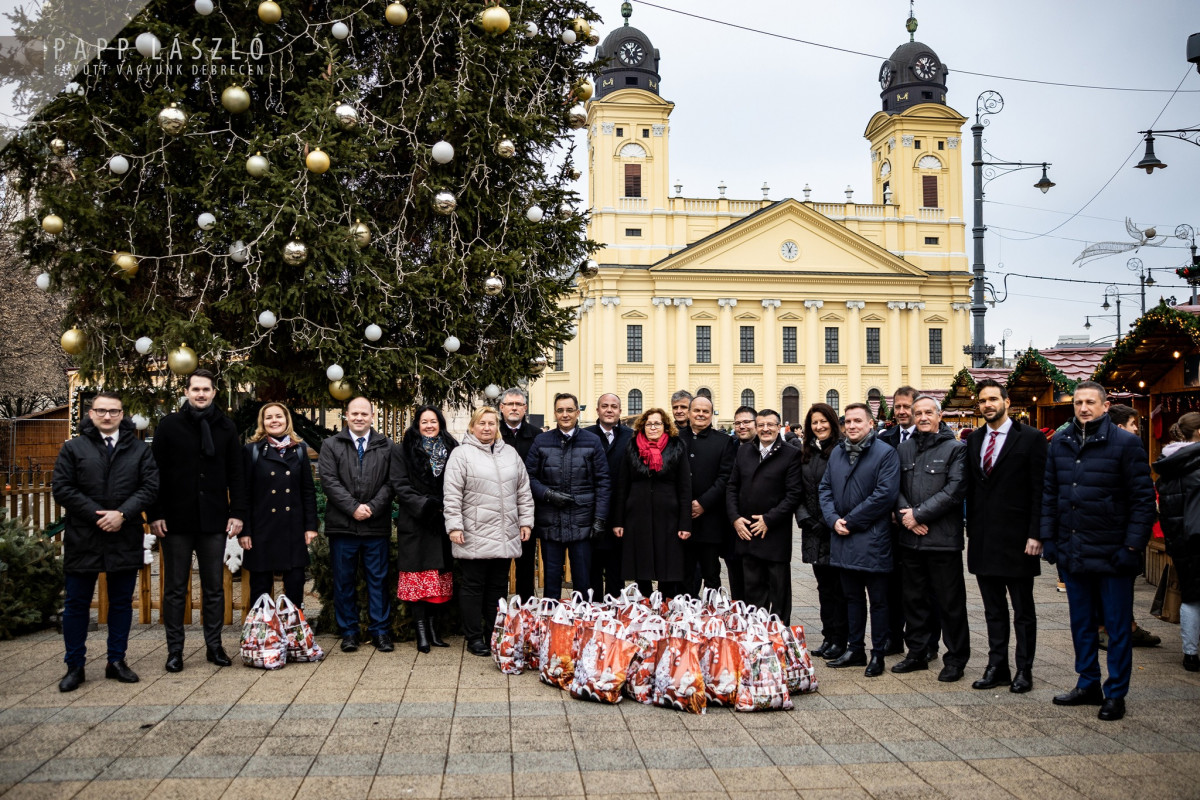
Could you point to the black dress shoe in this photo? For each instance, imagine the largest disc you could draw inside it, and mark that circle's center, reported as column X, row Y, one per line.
column 218, row 656
column 993, row 677
column 435, row 638
column 349, row 643
column 71, row 680
column 931, row 654
column 874, row 667
column 820, row 651
column 1080, row 697
column 1112, row 709
column 950, row 673
column 1022, row 682
column 119, row 670
column 476, row 647
column 1191, row 663
column 909, row 664
column 175, row 661
column 850, row 658
column 835, row 651
column 383, row 642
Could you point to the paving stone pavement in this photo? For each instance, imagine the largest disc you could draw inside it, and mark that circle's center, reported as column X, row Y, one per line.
column 448, row 724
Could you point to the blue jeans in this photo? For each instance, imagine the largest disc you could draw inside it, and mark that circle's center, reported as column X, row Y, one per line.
column 344, row 556
column 1108, row 598
column 554, row 559
column 77, row 614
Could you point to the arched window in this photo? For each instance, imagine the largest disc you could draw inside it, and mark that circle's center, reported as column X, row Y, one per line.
column 704, row 391
column 791, row 406
column 748, row 397
column 874, row 401
column 635, row 401
column 834, row 400
column 635, row 150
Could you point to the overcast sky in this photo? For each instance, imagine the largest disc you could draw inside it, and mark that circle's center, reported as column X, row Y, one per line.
column 752, row 108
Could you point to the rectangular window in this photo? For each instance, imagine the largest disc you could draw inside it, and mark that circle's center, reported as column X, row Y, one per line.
column 633, row 231
column 633, row 181
column 935, row 345
column 873, row 346
column 831, row 345
column 789, row 344
column 559, row 356
column 747, row 344
column 929, row 198
column 916, row 144
column 703, row 344
column 931, row 240
column 620, row 131
column 645, row 133
column 941, row 145
column 633, row 344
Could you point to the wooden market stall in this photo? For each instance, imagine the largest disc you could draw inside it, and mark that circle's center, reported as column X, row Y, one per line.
column 960, row 397
column 1042, row 381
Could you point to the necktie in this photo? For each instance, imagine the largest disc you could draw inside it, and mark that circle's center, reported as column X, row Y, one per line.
column 108, row 443
column 903, row 436
column 989, row 455
column 360, row 450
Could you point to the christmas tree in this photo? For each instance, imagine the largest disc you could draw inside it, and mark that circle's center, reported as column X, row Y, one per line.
column 297, row 189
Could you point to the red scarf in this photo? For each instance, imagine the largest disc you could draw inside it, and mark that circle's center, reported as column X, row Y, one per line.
column 651, row 452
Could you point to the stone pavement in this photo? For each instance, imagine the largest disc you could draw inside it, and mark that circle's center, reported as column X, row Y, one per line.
column 448, row 724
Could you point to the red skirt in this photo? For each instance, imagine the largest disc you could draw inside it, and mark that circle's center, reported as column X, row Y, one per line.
column 431, row 586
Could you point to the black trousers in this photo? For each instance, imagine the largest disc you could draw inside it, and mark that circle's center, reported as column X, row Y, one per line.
column 996, row 592
column 895, row 593
column 177, row 549
column 856, row 583
column 707, row 571
column 606, row 570
column 834, row 625
column 263, row 582
column 940, row 573
column 737, row 577
column 484, row 582
column 769, row 585
column 526, row 568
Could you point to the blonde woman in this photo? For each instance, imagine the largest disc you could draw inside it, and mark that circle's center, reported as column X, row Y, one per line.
column 283, row 505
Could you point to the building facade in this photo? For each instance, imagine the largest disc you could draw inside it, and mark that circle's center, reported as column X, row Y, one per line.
column 766, row 303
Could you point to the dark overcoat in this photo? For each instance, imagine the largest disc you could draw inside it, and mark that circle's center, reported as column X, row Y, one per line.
column 1179, row 510
column 814, row 533
column 770, row 486
column 615, row 455
column 863, row 494
column 710, row 456
column 1004, row 508
column 653, row 507
column 421, row 540
column 520, row 441
column 198, row 493
column 347, row 484
column 283, row 505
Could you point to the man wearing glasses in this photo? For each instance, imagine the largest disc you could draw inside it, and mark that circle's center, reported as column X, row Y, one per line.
column 105, row 478
column 519, row 434
column 743, row 425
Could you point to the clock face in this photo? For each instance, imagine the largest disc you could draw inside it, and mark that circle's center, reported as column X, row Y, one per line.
column 885, row 75
column 789, row 250
column 631, row 53
column 926, row 68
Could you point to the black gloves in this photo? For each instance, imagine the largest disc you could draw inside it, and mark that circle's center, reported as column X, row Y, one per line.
column 1050, row 551
column 558, row 499
column 1127, row 562
column 598, row 528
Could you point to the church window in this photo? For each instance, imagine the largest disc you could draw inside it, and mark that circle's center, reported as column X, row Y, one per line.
column 633, row 231
column 873, row 346
column 931, row 240
column 620, row 131
column 834, row 400
column 559, row 356
column 789, row 344
column 635, row 401
column 831, row 345
column 645, row 133
column 633, row 344
column 929, row 190
column 935, row 345
column 748, row 397
column 703, row 344
column 747, row 346
column 791, row 406
column 631, row 80
column 633, row 181
column 917, row 144
column 941, row 145
column 704, row 391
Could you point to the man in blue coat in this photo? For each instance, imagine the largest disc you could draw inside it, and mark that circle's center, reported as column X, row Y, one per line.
column 858, row 492
column 606, row 575
column 1097, row 511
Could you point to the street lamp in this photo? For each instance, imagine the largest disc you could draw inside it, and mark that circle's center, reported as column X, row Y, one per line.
column 1190, row 272
column 1150, row 162
column 1145, row 277
column 1003, row 346
column 988, row 103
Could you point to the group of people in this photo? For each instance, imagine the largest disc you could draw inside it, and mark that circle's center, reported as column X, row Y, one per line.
column 882, row 515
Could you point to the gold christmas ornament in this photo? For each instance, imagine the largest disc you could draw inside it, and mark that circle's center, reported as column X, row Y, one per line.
column 182, row 360
column 583, row 89
column 396, row 14
column 537, row 365
column 360, row 233
column 505, row 148
column 317, row 161
column 235, row 99
column 495, row 20
column 52, row 223
column 295, row 252
column 341, row 390
column 493, row 285
column 445, row 203
column 58, row 146
column 126, row 262
column 581, row 27
column 269, row 12
column 72, row 341
column 173, row 119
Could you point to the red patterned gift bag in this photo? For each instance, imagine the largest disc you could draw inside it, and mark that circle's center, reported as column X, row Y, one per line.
column 762, row 687
column 507, row 640
column 793, row 655
column 639, row 683
column 301, row 643
column 603, row 663
column 535, row 615
column 720, row 663
column 264, row 643
column 556, row 660
column 678, row 680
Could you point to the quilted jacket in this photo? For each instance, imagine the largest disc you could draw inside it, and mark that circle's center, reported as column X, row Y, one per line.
column 486, row 496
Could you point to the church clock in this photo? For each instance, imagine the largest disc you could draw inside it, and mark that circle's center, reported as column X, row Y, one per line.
column 630, row 52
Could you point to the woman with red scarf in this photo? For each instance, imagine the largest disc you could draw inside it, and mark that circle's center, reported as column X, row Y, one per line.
column 652, row 505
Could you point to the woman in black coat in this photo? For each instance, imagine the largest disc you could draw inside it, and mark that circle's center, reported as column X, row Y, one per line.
column 283, row 505
column 423, row 547
column 821, row 436
column 652, row 507
column 1179, row 511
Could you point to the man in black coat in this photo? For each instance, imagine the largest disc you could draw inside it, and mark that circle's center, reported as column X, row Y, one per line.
column 519, row 434
column 681, row 401
column 901, row 431
column 710, row 455
column 763, row 493
column 202, row 501
column 355, row 466
column 606, row 549
column 104, row 478
column 1006, row 462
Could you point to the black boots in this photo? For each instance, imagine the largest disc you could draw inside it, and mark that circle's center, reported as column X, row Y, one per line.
column 434, row 638
column 421, row 626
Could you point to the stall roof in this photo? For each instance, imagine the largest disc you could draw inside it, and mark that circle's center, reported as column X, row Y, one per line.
column 962, row 387
column 1149, row 350
column 1059, row 367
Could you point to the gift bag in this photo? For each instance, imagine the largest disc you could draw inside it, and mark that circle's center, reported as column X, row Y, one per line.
column 720, row 663
column 639, row 683
column 678, row 680
column 534, row 617
column 507, row 641
column 264, row 642
column 603, row 663
column 301, row 644
column 556, row 662
column 793, row 655
column 762, row 686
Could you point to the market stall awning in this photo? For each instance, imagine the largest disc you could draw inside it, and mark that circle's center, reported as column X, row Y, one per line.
column 1056, row 369
column 961, row 394
column 1153, row 347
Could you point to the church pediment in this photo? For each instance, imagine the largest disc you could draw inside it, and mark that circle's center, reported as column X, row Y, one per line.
column 703, row 315
column 935, row 318
column 747, row 317
column 832, row 318
column 763, row 243
column 633, row 315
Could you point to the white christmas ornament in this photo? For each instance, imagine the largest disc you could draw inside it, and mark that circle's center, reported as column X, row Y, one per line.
column 267, row 319
column 238, row 252
column 452, row 344
column 531, row 28
column 534, row 214
column 206, row 221
column 118, row 165
column 203, row 7
column 147, row 44
column 143, row 344
column 443, row 152
column 491, row 391
column 373, row 333
column 340, row 30
column 335, row 372
column 568, row 36
column 257, row 165
column 141, row 423
column 43, row 281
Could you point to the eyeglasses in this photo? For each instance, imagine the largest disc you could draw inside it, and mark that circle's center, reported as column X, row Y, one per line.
column 565, row 410
column 654, row 424
column 515, row 403
column 741, row 423
column 107, row 412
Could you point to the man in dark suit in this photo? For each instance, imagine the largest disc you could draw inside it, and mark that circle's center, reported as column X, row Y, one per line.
column 519, row 434
column 763, row 493
column 1006, row 462
column 606, row 548
column 710, row 455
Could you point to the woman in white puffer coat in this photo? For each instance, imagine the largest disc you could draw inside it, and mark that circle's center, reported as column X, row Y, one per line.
column 489, row 511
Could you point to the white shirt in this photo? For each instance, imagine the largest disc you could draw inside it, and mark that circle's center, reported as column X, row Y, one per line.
column 764, row 449
column 569, row 433
column 115, row 435
column 1001, row 435
column 906, row 433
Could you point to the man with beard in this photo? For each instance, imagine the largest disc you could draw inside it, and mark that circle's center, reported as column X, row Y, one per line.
column 519, row 435
column 606, row 548
column 710, row 454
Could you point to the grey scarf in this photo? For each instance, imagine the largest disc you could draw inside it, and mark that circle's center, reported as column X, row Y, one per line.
column 855, row 449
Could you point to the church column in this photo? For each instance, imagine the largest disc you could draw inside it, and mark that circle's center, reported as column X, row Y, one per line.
column 589, row 323
column 725, row 392
column 683, row 344
column 894, row 334
column 659, row 332
column 916, row 347
column 770, row 359
column 854, row 359
column 958, row 324
column 609, row 335
column 813, row 341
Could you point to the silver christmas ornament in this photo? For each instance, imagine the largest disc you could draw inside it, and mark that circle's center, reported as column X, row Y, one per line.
column 577, row 117
column 173, row 120
column 493, row 285
column 346, row 116
column 537, row 365
column 505, row 148
column 590, row 269
column 445, row 203
column 295, row 252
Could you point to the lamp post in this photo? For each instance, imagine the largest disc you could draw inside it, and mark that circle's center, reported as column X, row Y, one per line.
column 1191, row 272
column 1112, row 290
column 1151, row 162
column 1145, row 277
column 988, row 103
column 1003, row 346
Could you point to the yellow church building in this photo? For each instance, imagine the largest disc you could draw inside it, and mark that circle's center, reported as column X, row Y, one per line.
column 771, row 304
